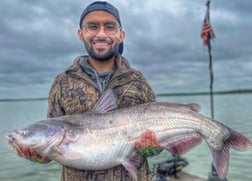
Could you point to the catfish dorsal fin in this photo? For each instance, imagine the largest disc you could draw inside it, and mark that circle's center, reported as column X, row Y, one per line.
column 194, row 107
column 107, row 102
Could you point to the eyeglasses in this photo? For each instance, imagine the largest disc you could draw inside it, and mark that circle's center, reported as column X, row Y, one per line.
column 110, row 28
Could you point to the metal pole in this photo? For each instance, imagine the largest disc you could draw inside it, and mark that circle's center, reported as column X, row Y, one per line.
column 210, row 66
column 213, row 176
column 211, row 79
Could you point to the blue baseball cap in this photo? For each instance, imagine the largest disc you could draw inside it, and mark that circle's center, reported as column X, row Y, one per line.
column 102, row 6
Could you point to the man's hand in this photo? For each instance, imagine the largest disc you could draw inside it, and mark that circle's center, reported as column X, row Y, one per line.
column 31, row 154
column 148, row 145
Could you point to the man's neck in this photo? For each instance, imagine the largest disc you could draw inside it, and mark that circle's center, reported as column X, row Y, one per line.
column 102, row 66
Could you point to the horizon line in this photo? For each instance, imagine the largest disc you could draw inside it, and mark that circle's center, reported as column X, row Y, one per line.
column 236, row 91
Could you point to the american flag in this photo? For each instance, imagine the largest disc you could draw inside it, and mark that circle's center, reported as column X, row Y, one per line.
column 207, row 32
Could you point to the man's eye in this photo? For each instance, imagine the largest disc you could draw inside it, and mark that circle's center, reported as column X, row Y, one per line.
column 92, row 26
column 110, row 26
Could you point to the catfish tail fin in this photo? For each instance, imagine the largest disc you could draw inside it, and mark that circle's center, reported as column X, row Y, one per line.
column 236, row 141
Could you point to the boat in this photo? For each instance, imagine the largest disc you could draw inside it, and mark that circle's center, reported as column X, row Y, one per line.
column 171, row 170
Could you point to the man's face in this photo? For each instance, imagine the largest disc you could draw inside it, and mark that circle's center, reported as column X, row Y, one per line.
column 101, row 35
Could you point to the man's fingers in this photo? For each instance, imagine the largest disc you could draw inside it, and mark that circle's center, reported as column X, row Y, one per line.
column 148, row 140
column 19, row 152
column 44, row 159
column 154, row 140
column 147, row 134
column 25, row 152
column 33, row 154
column 143, row 143
column 138, row 145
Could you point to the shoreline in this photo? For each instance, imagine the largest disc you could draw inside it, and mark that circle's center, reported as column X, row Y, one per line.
column 238, row 91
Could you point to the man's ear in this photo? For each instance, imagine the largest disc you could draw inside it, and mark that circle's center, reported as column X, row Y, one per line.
column 122, row 36
column 80, row 34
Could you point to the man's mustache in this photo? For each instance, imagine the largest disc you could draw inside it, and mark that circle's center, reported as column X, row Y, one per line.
column 102, row 40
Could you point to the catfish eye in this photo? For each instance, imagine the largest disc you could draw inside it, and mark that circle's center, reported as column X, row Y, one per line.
column 23, row 133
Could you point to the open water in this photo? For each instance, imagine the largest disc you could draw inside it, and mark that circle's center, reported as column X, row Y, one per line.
column 233, row 110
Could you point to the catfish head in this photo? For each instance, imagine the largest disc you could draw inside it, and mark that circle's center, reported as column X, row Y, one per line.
column 40, row 136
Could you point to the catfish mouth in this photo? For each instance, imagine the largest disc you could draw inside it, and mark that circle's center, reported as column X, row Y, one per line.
column 14, row 146
column 9, row 137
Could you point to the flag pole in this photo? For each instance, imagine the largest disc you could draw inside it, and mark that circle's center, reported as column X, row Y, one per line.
column 207, row 34
column 211, row 74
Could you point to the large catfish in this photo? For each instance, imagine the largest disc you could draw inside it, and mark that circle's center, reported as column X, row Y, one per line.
column 105, row 137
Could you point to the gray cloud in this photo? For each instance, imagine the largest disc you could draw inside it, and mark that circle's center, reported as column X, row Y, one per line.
column 38, row 40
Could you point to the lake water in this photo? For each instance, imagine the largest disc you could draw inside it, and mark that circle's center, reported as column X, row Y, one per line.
column 233, row 110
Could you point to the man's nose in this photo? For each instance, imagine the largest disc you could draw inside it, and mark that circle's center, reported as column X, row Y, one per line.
column 101, row 31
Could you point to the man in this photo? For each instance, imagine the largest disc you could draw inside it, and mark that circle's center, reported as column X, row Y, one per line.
column 77, row 89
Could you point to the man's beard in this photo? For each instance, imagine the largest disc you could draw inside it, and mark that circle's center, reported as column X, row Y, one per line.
column 105, row 57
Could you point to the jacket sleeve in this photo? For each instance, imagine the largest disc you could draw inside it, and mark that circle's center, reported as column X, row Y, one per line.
column 148, row 93
column 54, row 100
column 144, row 90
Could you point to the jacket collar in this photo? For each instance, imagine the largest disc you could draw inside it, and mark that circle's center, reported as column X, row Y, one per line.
column 121, row 64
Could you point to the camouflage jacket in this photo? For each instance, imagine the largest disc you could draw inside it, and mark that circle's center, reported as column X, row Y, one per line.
column 73, row 91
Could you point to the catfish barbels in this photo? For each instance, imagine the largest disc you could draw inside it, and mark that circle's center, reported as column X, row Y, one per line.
column 106, row 137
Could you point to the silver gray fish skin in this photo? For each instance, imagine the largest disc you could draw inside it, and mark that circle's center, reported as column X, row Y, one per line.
column 95, row 141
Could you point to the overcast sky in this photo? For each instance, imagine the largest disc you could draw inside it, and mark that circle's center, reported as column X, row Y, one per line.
column 38, row 40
